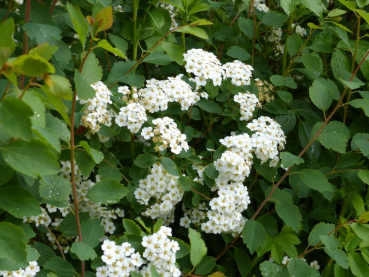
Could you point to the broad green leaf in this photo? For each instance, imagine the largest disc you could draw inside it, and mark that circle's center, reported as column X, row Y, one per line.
column 193, row 31
column 294, row 44
column 289, row 5
column 209, row 106
column 7, row 43
column 211, row 172
column 83, row 251
column 339, row 256
column 198, row 248
column 336, row 12
column 286, row 210
column 205, row 266
column 44, row 50
column 185, row 183
column 169, row 166
column 60, row 87
column 361, row 103
column 92, row 232
column 334, row 136
column 48, row 136
column 159, row 58
column 246, row 26
column 315, row 179
column 269, row 269
column 91, row 73
column 12, row 243
column 279, row 80
column 318, row 230
column 31, row 158
column 353, row 84
column 154, row 272
column 157, row 225
column 225, row 33
column 145, row 160
column 364, row 176
column 361, row 230
column 174, row 51
column 330, row 242
column 340, row 272
column 55, row 103
column 46, row 253
column 103, row 20
column 97, row 156
column 359, row 267
column 243, row 261
column 289, row 159
column 363, row 146
column 60, row 128
column 320, row 95
column 274, row 19
column 79, row 22
column 118, row 71
column 118, row 42
column 42, row 32
column 131, row 227
column 32, row 65
column 38, row 108
column 351, row 5
column 316, row 6
column 107, row 191
column 199, row 8
column 69, row 225
column 357, row 202
column 116, row 51
column 156, row 18
column 298, row 267
column 362, row 3
column 55, row 188
column 340, row 64
column 238, row 53
column 64, row 55
column 287, row 241
column 254, row 235
column 15, row 117
column 60, row 266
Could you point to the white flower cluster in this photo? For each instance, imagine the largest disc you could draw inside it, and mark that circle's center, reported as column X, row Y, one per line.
column 166, row 134
column 159, row 252
column 267, row 140
column 276, row 36
column 195, row 215
column 204, row 65
column 120, row 260
column 260, row 5
column 29, row 271
column 132, row 116
column 247, row 102
column 97, row 112
column 153, row 97
column 239, row 73
column 164, row 188
column 171, row 9
column 299, row 30
column 42, row 219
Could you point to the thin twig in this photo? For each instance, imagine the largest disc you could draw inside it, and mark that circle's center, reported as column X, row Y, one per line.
column 124, row 177
column 56, row 241
column 25, row 38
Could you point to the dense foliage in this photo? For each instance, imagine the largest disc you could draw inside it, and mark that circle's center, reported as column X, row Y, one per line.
column 184, row 138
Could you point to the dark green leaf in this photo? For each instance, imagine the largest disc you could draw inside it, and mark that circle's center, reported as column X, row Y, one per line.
column 145, row 160
column 83, row 251
column 294, row 44
column 274, row 19
column 279, row 80
column 320, row 95
column 169, row 166
column 42, row 32
column 318, row 230
column 315, row 179
column 55, row 188
column 60, row 266
column 131, row 227
column 269, row 269
column 12, row 243
column 246, row 26
column 289, row 159
column 185, row 183
column 254, row 235
column 361, row 230
column 298, row 267
column 238, row 53
column 243, row 261
column 107, row 191
column 205, row 266
column 7, row 43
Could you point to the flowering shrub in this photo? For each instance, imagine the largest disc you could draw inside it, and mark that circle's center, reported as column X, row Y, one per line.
column 184, row 138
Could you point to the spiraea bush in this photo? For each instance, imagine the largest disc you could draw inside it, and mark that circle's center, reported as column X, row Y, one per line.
column 184, row 138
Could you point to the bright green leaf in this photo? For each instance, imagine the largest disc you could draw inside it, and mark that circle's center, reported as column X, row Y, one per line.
column 198, row 248
column 107, row 191
column 83, row 251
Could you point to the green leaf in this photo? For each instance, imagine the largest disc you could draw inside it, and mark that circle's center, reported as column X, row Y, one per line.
column 198, row 248
column 12, row 243
column 103, row 20
column 32, row 100
column 44, row 50
column 184, row 248
column 340, row 272
column 254, row 235
column 340, row 64
column 243, row 261
column 105, row 45
column 156, row 18
column 193, row 31
column 298, row 267
column 79, row 22
column 269, row 269
column 334, row 136
column 42, row 32
column 157, row 225
column 364, row 176
column 55, row 103
column 206, row 265
column 97, row 156
column 174, row 51
column 339, row 256
column 60, row 266
column 48, row 136
column 287, row 241
column 15, row 117
column 119, row 70
column 85, row 163
column 92, row 232
column 131, row 227
column 286, row 210
column 211, row 172
column 362, row 3
column 289, row 159
column 294, row 44
column 7, row 43
column 64, row 55
column 330, row 242
column 60, row 87
column 169, row 166
column 60, row 128
column 320, row 95
column 91, row 73
column 359, row 267
column 55, row 188
column 289, row 5
column 31, row 158
column 246, row 26
column 185, row 183
column 32, row 65
column 279, row 80
column 209, row 106
column 107, row 191
column 336, row 12
column 315, row 179
column 154, row 272
column 353, row 84
column 120, row 43
column 274, row 19
column 238, row 53
column 361, row 230
column 361, row 103
column 46, row 253
column 316, row 6
column 145, row 160
column 83, row 251
column 318, row 230
column 363, row 146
